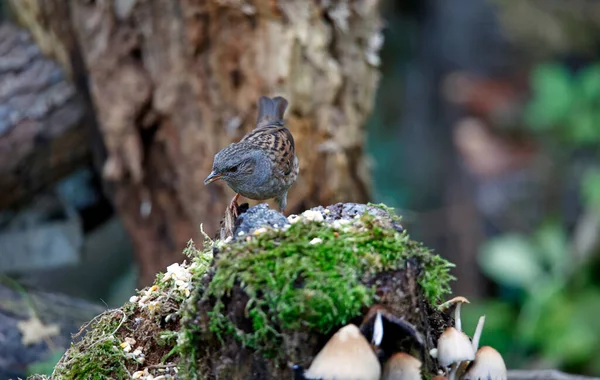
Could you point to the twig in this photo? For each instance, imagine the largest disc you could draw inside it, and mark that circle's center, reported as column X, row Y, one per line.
column 162, row 366
column 111, row 335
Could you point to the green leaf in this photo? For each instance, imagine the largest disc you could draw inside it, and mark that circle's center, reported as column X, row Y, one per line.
column 570, row 339
column 499, row 328
column 533, row 326
column 552, row 96
column 588, row 84
column 587, row 309
column 582, row 126
column 47, row 366
column 551, row 239
column 590, row 188
column 511, row 260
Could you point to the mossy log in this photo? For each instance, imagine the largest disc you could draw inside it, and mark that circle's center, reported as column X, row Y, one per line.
column 251, row 306
column 17, row 306
column 42, row 133
column 174, row 81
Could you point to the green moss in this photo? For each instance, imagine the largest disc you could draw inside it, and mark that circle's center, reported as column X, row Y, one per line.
column 98, row 355
column 389, row 210
column 310, row 276
column 293, row 282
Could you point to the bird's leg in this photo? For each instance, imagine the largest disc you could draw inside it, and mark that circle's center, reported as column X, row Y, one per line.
column 233, row 206
column 282, row 202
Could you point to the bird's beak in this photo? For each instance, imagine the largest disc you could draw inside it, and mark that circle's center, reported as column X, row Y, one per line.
column 213, row 176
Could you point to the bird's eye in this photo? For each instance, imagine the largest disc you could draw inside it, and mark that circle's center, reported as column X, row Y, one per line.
column 233, row 169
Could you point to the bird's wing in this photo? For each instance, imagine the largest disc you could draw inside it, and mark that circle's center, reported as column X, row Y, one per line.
column 278, row 141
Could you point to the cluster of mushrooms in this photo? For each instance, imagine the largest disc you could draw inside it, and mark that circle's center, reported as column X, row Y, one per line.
column 348, row 355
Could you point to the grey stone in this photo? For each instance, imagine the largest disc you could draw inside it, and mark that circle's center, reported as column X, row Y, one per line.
column 256, row 217
column 350, row 210
column 263, row 216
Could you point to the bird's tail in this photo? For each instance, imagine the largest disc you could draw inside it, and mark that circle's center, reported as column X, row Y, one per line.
column 270, row 111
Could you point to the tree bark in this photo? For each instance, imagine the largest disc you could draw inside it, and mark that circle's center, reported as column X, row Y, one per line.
column 173, row 82
column 42, row 133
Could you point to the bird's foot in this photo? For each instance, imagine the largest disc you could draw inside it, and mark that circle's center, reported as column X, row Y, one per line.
column 281, row 202
column 233, row 207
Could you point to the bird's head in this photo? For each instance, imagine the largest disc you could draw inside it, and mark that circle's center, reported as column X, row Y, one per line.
column 235, row 164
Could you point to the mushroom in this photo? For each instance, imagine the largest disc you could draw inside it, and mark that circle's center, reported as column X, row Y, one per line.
column 454, row 347
column 433, row 353
column 488, row 364
column 478, row 331
column 377, row 330
column 401, row 366
column 458, row 301
column 462, row 368
column 386, row 331
column 347, row 355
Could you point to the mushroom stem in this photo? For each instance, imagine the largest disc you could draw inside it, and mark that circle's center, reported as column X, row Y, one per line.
column 477, row 334
column 377, row 330
column 453, row 369
column 457, row 322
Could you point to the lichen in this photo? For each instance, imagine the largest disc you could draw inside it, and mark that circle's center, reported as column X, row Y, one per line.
column 313, row 276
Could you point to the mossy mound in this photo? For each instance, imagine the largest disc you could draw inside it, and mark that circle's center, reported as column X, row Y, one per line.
column 249, row 307
column 145, row 336
column 313, row 276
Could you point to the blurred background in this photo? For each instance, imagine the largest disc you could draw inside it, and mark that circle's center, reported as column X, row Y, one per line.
column 478, row 120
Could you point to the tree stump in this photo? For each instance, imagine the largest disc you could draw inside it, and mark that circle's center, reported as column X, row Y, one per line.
column 252, row 306
column 173, row 82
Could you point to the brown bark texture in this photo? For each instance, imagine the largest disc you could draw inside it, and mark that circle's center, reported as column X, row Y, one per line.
column 174, row 81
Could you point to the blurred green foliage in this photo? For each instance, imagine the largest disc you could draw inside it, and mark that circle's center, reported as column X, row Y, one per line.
column 47, row 366
column 549, row 308
column 557, row 316
column 565, row 104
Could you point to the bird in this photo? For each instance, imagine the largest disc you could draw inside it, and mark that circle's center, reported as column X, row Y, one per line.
column 263, row 164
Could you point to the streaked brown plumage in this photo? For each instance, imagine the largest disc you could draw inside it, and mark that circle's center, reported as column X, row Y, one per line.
column 263, row 164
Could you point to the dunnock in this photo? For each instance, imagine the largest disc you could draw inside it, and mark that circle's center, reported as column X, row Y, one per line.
column 263, row 164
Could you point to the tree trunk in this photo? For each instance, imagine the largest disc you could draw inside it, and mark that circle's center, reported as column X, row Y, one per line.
column 173, row 82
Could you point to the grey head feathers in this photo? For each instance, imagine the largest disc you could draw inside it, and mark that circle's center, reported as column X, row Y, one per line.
column 236, row 158
column 242, row 164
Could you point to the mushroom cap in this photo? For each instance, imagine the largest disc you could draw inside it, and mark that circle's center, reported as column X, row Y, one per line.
column 452, row 302
column 454, row 346
column 488, row 364
column 347, row 355
column 402, row 366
